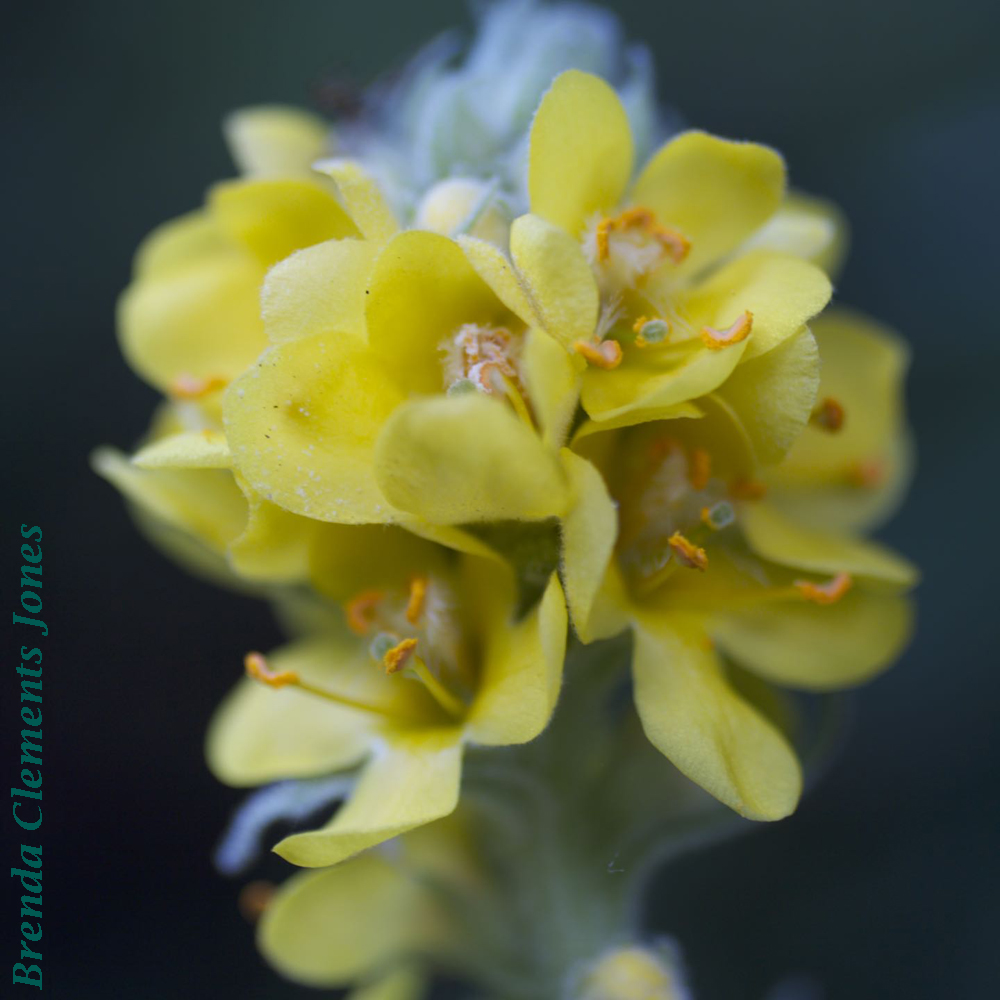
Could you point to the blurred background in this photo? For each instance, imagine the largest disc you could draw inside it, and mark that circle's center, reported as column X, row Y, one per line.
column 885, row 883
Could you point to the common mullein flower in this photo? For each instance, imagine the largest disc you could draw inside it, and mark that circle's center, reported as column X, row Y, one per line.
column 433, row 656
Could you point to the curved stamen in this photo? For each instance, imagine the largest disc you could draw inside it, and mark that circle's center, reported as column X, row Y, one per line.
column 715, row 340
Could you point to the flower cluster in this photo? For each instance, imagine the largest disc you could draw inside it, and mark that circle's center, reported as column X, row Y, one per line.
column 548, row 385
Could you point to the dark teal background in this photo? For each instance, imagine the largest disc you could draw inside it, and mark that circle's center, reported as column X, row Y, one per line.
column 885, row 883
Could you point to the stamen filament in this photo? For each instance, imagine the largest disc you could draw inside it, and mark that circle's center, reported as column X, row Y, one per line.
column 257, row 668
column 452, row 704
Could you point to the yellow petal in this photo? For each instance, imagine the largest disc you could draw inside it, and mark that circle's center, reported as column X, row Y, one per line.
column 781, row 292
column 460, row 459
column 580, row 156
column 423, row 289
column 321, row 289
column 275, row 545
column 205, row 449
column 349, row 559
column 630, row 418
column 552, row 381
column 496, row 269
column 646, row 386
column 521, row 668
column 779, row 539
column 179, row 243
column 302, row 426
column 806, row 227
column 261, row 734
column 694, row 717
column 773, row 394
column 715, row 191
column 272, row 140
column 273, row 217
column 589, row 531
column 557, row 278
column 406, row 983
column 412, row 779
column 204, row 503
column 344, row 924
column 191, row 315
column 820, row 481
column 362, row 198
column 819, row 648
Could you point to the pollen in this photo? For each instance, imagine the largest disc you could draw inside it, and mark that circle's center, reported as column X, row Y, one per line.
column 360, row 611
column 256, row 667
column 825, row 593
column 417, row 600
column 687, row 553
column 607, row 354
column 196, row 387
column 701, row 468
column 715, row 340
column 828, row 415
column 396, row 658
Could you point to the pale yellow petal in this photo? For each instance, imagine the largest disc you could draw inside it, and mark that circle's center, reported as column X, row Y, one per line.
column 196, row 317
column 521, row 669
column 852, row 479
column 589, row 531
column 466, row 458
column 818, row 648
column 411, row 780
column 694, row 717
column 206, row 449
column 348, row 923
column 321, row 289
column 260, row 734
column 272, row 140
column 782, row 293
column 715, row 191
column 580, row 156
column 811, row 228
column 273, row 217
column 423, row 290
column 552, row 381
column 779, row 539
column 362, row 198
column 496, row 269
column 774, row 394
column 556, row 277
column 302, row 425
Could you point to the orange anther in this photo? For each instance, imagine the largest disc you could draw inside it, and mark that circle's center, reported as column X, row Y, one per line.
column 825, row 593
column 673, row 243
column 418, row 596
column 256, row 667
column 195, row 387
column 715, row 340
column 397, row 657
column 866, row 474
column 828, row 415
column 701, row 468
column 360, row 611
column 254, row 899
column 607, row 354
column 687, row 553
column 747, row 489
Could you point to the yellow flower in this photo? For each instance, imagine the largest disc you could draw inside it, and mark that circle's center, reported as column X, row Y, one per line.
column 187, row 500
column 715, row 578
column 434, row 658
column 410, row 391
column 373, row 922
column 189, row 322
column 691, row 262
